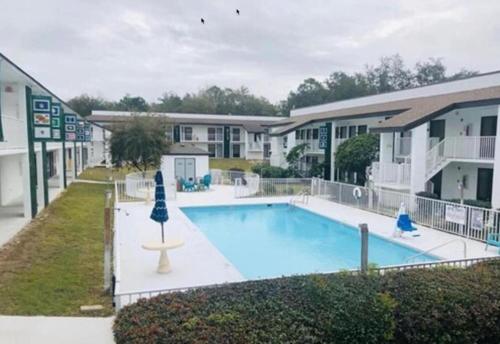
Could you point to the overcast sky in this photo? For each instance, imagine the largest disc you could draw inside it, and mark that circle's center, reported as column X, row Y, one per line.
column 109, row 48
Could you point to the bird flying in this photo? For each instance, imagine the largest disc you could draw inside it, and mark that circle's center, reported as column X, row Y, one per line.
column 202, row 21
column 237, row 11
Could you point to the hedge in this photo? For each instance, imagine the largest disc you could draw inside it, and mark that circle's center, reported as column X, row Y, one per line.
column 415, row 306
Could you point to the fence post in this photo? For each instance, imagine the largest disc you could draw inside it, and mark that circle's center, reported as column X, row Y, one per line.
column 363, row 227
column 107, row 241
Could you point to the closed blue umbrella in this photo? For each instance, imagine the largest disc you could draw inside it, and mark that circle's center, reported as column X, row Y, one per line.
column 160, row 213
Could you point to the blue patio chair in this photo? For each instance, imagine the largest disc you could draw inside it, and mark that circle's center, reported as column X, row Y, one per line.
column 404, row 223
column 493, row 239
column 207, row 180
column 188, row 186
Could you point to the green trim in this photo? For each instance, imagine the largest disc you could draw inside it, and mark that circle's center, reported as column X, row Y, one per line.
column 328, row 152
column 65, row 182
column 75, row 163
column 227, row 141
column 31, row 153
column 45, row 174
column 177, row 133
column 83, row 156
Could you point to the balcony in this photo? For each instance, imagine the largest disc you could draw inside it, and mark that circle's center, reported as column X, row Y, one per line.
column 202, row 137
column 255, row 146
column 392, row 175
column 479, row 149
column 313, row 146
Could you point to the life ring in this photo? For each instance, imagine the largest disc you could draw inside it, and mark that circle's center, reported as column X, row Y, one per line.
column 357, row 193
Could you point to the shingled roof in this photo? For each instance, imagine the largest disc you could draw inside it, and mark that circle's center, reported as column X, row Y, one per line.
column 406, row 114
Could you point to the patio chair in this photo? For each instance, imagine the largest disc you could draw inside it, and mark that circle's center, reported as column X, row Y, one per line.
column 188, row 186
column 493, row 239
column 404, row 223
column 207, row 179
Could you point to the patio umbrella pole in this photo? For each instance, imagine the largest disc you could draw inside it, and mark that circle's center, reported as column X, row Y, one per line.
column 162, row 235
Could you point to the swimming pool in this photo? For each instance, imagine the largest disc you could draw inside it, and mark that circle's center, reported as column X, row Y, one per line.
column 264, row 241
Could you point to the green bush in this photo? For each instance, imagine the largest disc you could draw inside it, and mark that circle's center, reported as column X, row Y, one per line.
column 417, row 306
column 266, row 171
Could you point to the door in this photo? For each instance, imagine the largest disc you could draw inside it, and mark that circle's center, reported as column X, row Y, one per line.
column 437, row 132
column 484, row 184
column 437, row 129
column 487, row 145
column 185, row 168
column 437, row 182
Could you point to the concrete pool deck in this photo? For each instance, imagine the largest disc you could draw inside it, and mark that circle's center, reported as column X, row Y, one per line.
column 199, row 262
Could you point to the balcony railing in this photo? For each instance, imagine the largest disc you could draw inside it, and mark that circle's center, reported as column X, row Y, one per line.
column 313, row 145
column 255, row 146
column 202, row 137
column 460, row 148
column 391, row 173
column 402, row 147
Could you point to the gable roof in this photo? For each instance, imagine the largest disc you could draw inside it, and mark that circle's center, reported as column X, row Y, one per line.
column 406, row 114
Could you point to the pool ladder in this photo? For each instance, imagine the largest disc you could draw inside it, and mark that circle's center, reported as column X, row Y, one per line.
column 301, row 197
column 439, row 246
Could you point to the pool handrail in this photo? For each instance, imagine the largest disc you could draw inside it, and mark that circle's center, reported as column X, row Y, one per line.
column 439, row 246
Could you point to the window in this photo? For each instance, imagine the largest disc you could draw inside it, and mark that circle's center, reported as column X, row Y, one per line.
column 256, row 137
column 236, row 135
column 337, row 132
column 343, row 132
column 302, row 134
column 297, row 134
column 308, row 134
column 362, row 129
column 211, row 136
column 315, row 134
column 352, row 131
column 236, row 151
column 211, row 149
column 285, row 141
column 187, row 133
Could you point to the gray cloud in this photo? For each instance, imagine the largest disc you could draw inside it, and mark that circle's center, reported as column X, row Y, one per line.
column 110, row 48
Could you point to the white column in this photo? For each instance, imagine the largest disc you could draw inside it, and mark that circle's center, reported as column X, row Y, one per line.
column 79, row 147
column 39, row 178
column 418, row 158
column 334, row 151
column 74, row 173
column 386, row 147
column 26, row 185
column 62, row 168
column 495, row 201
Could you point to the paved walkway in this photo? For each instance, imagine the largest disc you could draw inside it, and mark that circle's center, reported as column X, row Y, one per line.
column 55, row 330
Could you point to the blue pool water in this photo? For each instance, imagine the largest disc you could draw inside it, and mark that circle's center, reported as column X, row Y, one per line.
column 269, row 241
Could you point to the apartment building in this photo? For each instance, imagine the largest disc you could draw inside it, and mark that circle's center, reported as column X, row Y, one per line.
column 36, row 160
column 223, row 136
column 439, row 138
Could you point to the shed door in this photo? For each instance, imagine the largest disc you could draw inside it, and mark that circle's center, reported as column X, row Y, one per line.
column 185, row 168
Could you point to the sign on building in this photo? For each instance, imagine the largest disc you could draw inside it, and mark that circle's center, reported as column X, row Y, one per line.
column 41, row 107
column 70, row 127
column 80, row 131
column 56, row 122
column 323, row 137
column 455, row 214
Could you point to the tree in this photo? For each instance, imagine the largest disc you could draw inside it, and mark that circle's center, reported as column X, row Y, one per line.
column 430, row 72
column 310, row 92
column 133, row 104
column 84, row 104
column 140, row 142
column 356, row 154
column 293, row 158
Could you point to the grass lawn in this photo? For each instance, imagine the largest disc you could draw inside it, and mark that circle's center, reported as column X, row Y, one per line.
column 55, row 264
column 104, row 174
column 226, row 164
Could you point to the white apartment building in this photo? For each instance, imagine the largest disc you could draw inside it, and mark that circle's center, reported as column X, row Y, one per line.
column 439, row 138
column 223, row 136
column 32, row 173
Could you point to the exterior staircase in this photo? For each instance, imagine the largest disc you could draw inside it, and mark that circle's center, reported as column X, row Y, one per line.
column 459, row 148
